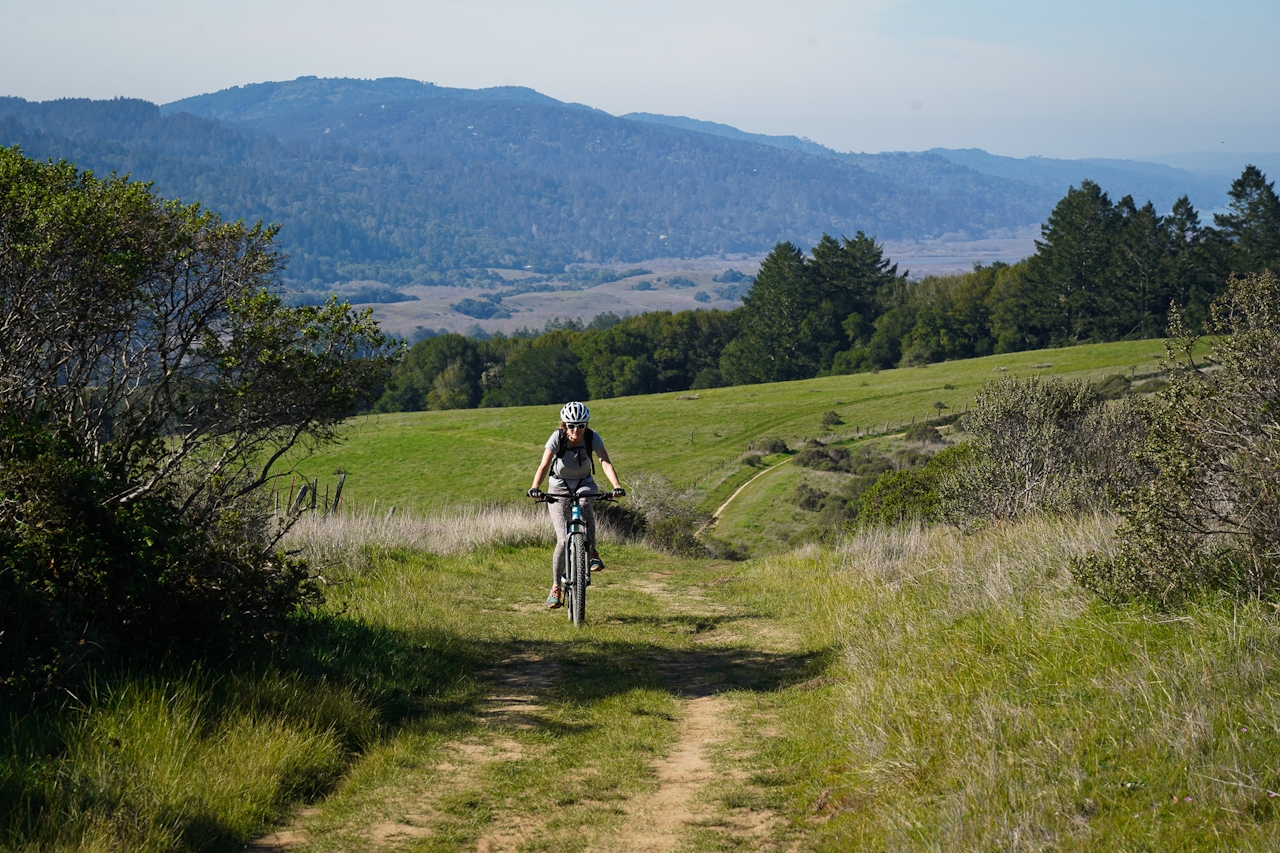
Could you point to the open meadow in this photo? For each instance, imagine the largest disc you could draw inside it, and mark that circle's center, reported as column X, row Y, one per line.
column 915, row 688
column 424, row 460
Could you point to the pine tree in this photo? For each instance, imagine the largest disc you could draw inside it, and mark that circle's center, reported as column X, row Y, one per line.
column 1253, row 226
column 1071, row 272
column 1138, row 283
column 770, row 347
column 1194, row 265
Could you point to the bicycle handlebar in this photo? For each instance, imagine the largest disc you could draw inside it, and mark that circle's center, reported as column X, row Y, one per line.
column 556, row 497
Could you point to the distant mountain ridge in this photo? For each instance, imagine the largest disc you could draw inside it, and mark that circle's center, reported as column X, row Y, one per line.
column 401, row 182
column 258, row 100
column 790, row 143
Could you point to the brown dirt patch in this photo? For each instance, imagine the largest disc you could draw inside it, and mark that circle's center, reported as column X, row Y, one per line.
column 285, row 839
column 657, row 821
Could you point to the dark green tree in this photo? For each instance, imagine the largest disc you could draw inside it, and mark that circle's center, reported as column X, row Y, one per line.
column 151, row 382
column 1070, row 274
column 540, row 376
column 775, row 342
column 1139, row 287
column 1253, row 225
column 859, row 284
column 410, row 387
column 1195, row 266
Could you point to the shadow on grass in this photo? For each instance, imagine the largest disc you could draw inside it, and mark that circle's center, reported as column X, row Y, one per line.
column 694, row 623
column 367, row 683
column 440, row 681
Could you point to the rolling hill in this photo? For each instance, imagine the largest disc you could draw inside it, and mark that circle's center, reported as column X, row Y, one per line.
column 400, row 182
column 411, row 459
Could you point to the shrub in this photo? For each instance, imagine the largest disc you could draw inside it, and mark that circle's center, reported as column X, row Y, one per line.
column 1209, row 517
column 824, row 459
column 830, row 419
column 772, row 445
column 925, row 433
column 672, row 518
column 1113, row 387
column 912, row 495
column 150, row 379
column 81, row 573
column 1042, row 444
column 807, row 497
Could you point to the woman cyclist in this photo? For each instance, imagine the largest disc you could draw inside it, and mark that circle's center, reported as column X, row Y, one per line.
column 568, row 458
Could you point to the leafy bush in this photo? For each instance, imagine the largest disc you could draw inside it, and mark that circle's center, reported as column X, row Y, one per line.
column 81, row 573
column 830, row 419
column 912, row 495
column 1209, row 518
column 1042, row 444
column 1113, row 387
column 807, row 497
column 150, row 379
column 672, row 518
column 825, row 459
column 770, row 446
column 925, row 433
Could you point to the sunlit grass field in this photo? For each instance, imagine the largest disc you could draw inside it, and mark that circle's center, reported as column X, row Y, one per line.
column 906, row 690
column 422, row 460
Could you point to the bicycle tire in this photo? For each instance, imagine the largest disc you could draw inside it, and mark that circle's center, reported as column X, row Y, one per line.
column 578, row 574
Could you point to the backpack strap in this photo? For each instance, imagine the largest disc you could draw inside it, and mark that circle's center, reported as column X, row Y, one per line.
column 588, row 441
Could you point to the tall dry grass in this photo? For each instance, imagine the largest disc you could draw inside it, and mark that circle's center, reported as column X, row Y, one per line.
column 353, row 539
column 987, row 703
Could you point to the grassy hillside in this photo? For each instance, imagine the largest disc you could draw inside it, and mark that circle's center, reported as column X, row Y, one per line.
column 424, row 459
column 902, row 690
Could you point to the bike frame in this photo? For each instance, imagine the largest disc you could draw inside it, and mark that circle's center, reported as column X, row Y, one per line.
column 577, row 573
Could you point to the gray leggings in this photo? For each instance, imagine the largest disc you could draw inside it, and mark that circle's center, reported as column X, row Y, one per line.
column 560, row 513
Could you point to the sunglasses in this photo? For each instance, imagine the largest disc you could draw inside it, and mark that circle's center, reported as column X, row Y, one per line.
column 575, row 426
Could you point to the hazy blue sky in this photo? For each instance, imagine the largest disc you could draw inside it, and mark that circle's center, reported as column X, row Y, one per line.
column 1102, row 78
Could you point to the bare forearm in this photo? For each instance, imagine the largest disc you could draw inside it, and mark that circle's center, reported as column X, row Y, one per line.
column 610, row 473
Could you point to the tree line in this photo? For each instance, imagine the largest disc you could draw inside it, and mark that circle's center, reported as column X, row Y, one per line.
column 1103, row 270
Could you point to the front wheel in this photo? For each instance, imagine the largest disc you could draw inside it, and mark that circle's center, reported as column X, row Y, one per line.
column 579, row 573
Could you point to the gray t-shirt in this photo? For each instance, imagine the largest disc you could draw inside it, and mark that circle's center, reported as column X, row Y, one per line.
column 575, row 465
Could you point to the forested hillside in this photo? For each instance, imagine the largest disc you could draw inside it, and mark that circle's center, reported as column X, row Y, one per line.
column 1104, row 270
column 400, row 182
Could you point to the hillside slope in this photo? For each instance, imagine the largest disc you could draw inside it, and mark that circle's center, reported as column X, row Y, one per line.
column 402, row 182
column 424, row 460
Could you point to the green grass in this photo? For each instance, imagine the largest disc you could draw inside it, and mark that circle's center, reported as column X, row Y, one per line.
column 982, row 702
column 187, row 762
column 422, row 460
column 915, row 690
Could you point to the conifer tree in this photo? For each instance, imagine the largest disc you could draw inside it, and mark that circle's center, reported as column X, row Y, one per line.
column 1253, row 226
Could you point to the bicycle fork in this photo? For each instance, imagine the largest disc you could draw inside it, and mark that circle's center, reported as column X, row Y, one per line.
column 576, row 525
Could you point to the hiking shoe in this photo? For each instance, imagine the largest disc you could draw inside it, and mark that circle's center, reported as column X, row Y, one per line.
column 553, row 600
column 597, row 564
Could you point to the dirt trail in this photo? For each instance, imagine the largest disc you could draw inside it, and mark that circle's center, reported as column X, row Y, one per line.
column 514, row 704
column 715, row 516
column 666, row 818
column 659, row 821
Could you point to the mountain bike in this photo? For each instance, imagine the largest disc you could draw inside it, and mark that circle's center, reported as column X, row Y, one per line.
column 577, row 555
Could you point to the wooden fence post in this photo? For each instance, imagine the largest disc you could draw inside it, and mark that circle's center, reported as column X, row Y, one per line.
column 337, row 494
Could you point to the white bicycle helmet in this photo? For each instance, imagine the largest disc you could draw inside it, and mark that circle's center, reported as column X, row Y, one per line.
column 575, row 413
